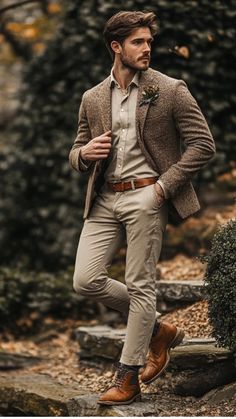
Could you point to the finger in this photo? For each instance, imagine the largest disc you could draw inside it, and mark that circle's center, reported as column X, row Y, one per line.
column 103, row 145
column 106, row 139
column 102, row 153
column 101, row 150
column 106, row 134
column 103, row 156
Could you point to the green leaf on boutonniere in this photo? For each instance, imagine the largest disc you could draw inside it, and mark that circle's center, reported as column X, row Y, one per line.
column 149, row 95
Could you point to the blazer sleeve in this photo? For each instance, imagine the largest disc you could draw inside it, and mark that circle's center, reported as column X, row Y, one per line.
column 83, row 137
column 195, row 134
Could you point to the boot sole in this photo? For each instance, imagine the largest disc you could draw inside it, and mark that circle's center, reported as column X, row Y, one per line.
column 136, row 398
column 175, row 342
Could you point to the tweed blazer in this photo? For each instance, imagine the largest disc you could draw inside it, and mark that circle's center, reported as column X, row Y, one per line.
column 172, row 134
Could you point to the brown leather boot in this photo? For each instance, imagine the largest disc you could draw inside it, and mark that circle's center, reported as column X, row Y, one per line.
column 124, row 390
column 168, row 336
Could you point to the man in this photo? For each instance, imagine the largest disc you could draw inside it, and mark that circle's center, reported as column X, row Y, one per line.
column 131, row 130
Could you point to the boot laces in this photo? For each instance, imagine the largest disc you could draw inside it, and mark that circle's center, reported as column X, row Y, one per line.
column 119, row 376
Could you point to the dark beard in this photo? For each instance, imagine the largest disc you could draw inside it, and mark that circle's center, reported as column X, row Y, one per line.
column 130, row 66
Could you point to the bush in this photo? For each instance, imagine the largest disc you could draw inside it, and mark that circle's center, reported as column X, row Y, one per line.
column 220, row 285
column 33, row 296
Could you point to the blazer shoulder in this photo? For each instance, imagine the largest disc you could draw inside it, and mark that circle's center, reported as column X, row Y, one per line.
column 93, row 91
column 166, row 80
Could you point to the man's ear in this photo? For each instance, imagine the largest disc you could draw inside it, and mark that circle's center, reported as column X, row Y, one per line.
column 116, row 47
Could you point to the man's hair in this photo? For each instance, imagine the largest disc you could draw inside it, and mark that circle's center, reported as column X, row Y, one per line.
column 122, row 24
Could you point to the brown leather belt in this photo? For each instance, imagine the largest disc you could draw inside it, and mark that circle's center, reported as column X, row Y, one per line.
column 133, row 184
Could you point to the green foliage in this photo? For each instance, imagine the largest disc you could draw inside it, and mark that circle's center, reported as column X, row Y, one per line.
column 42, row 198
column 23, row 293
column 220, row 285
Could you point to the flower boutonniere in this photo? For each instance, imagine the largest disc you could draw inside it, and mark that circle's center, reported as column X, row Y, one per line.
column 149, row 95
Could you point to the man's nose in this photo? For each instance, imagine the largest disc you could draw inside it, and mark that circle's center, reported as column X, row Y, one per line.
column 147, row 47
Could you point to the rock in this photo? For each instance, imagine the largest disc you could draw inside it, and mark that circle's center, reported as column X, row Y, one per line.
column 100, row 342
column 15, row 360
column 35, row 395
column 198, row 382
column 44, row 336
column 198, row 341
column 40, row 395
column 193, row 356
column 197, row 365
column 87, row 406
column 180, row 291
column 222, row 394
column 175, row 294
column 105, row 343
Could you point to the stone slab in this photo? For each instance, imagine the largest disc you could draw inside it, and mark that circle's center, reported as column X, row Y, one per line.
column 35, row 394
column 10, row 361
column 222, row 394
column 105, row 343
column 100, row 342
column 195, row 356
column 40, row 395
column 205, row 378
column 87, row 406
column 180, row 291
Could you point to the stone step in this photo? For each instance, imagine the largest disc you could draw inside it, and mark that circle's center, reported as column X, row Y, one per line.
column 221, row 394
column 10, row 361
column 35, row 395
column 196, row 365
column 205, row 378
column 172, row 295
column 184, row 291
column 40, row 395
column 193, row 355
column 100, row 342
column 105, row 343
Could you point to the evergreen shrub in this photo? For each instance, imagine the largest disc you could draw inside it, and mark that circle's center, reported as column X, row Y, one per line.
column 31, row 295
column 220, row 285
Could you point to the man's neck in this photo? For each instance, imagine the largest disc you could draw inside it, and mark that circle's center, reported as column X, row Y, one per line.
column 123, row 75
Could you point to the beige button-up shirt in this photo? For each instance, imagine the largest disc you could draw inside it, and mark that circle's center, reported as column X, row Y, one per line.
column 126, row 160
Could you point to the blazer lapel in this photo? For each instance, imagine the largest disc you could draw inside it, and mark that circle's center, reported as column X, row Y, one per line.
column 105, row 104
column 104, row 99
column 141, row 111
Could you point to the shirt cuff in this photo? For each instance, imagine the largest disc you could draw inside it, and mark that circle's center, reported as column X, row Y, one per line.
column 166, row 194
column 83, row 165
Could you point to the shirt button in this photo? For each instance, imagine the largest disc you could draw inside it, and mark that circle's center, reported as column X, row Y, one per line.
column 123, row 130
column 121, row 148
column 119, row 165
column 122, row 110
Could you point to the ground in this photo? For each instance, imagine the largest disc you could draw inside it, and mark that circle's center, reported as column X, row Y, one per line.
column 59, row 352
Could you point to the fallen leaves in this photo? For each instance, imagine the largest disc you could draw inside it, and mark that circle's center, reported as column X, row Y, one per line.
column 182, row 267
column 193, row 319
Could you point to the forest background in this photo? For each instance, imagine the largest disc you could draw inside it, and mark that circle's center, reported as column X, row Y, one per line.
column 51, row 52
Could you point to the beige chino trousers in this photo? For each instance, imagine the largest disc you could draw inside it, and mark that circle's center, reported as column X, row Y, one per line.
column 137, row 214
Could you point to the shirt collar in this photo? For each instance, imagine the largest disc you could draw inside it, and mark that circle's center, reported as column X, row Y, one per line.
column 135, row 79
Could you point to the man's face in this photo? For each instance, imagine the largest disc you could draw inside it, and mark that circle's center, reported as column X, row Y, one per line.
column 135, row 52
